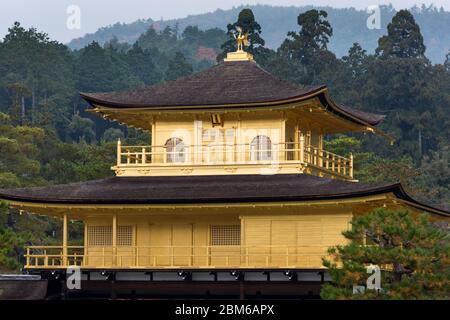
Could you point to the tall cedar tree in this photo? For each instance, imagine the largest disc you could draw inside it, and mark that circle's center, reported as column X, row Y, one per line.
column 309, row 47
column 404, row 39
column 412, row 252
column 314, row 35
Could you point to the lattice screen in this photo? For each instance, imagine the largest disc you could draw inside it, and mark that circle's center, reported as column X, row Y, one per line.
column 100, row 235
column 226, row 235
column 125, row 236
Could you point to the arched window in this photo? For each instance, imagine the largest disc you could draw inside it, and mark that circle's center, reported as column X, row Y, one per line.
column 175, row 150
column 261, row 148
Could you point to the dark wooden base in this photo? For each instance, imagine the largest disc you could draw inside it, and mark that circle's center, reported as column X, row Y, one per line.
column 23, row 290
column 195, row 290
column 191, row 284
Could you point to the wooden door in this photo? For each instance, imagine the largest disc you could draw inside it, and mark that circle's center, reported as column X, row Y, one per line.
column 182, row 244
column 171, row 244
column 160, row 242
column 283, row 243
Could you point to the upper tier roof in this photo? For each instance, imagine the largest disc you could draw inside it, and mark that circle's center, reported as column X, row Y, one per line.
column 207, row 189
column 227, row 84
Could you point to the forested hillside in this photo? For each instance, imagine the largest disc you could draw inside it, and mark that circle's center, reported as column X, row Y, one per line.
column 349, row 25
column 46, row 137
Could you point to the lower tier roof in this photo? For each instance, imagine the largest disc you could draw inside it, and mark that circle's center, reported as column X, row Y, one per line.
column 206, row 189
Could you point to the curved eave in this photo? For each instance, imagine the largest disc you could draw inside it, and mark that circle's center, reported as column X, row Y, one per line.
column 137, row 107
column 320, row 92
column 394, row 189
column 402, row 195
column 331, row 106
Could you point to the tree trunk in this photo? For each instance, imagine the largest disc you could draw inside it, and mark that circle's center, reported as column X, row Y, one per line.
column 420, row 143
column 33, row 104
column 23, row 111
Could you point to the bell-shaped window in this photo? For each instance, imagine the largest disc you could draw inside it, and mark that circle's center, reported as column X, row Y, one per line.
column 261, row 148
column 175, row 150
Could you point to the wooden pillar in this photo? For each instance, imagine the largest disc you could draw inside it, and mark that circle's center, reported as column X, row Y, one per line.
column 351, row 165
column 114, row 239
column 85, row 249
column 197, row 149
column 282, row 147
column 321, row 149
column 119, row 151
column 296, row 142
column 154, row 155
column 302, row 148
column 65, row 239
column 239, row 148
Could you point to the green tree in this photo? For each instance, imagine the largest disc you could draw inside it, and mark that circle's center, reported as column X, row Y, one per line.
column 19, row 154
column 103, row 69
column 309, row 47
column 11, row 248
column 412, row 252
column 313, row 37
column 178, row 67
column 246, row 21
column 35, row 71
column 447, row 61
column 356, row 61
column 404, row 39
column 434, row 177
column 352, row 76
column 141, row 64
column 81, row 129
column 112, row 135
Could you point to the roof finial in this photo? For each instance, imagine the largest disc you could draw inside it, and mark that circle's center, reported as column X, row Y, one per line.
column 241, row 41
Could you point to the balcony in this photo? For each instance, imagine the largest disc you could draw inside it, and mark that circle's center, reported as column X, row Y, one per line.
column 215, row 159
column 173, row 257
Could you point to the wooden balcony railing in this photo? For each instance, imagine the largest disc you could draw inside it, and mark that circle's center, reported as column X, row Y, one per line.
column 160, row 257
column 234, row 154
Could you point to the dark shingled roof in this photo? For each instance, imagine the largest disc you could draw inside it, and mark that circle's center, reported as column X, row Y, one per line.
column 203, row 189
column 229, row 83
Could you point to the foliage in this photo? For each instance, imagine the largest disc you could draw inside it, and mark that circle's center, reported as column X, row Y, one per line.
column 309, row 46
column 314, row 35
column 413, row 253
column 178, row 67
column 19, row 151
column 11, row 245
column 403, row 40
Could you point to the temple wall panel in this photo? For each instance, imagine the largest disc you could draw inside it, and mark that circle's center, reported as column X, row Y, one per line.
column 159, row 241
column 296, row 239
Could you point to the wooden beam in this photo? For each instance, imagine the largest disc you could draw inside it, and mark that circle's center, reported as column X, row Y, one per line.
column 114, row 238
column 65, row 236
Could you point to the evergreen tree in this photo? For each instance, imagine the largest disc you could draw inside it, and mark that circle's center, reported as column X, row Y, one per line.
column 412, row 252
column 19, row 154
column 434, row 176
column 447, row 61
column 178, row 67
column 309, row 47
column 34, row 70
column 81, row 129
column 246, row 21
column 356, row 62
column 313, row 37
column 404, row 39
column 141, row 64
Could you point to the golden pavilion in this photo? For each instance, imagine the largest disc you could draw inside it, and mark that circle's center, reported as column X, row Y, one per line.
column 235, row 184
